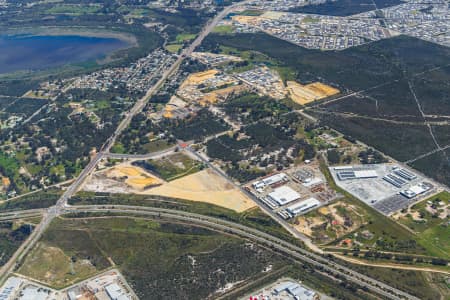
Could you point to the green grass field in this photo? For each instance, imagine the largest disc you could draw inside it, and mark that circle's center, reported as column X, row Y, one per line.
column 223, row 29
column 433, row 230
column 185, row 37
column 73, row 9
column 174, row 48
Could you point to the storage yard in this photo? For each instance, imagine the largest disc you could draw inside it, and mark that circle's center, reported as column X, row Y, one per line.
column 293, row 192
column 386, row 187
column 107, row 286
column 110, row 285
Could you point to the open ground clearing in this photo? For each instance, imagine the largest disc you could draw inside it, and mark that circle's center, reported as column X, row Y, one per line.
column 50, row 265
column 330, row 222
column 304, row 94
column 134, row 177
column 172, row 167
column 205, row 186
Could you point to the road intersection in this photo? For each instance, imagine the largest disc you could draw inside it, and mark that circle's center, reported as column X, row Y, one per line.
column 62, row 207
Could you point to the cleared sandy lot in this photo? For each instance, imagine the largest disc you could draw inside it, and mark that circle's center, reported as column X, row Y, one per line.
column 205, row 186
column 133, row 176
column 304, row 94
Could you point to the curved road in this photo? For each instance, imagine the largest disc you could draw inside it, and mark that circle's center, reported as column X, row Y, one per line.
column 138, row 106
column 257, row 236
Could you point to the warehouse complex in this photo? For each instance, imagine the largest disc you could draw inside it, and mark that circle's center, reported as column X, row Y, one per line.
column 284, row 195
column 293, row 192
column 386, row 187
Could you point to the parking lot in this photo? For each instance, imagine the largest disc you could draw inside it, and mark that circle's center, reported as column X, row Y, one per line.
column 382, row 185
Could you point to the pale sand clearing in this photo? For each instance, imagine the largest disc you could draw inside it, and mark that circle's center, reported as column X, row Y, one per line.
column 205, row 186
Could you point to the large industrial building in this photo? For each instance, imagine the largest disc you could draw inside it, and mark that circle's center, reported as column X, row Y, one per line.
column 303, row 206
column 349, row 173
column 271, row 180
column 284, row 195
column 115, row 292
column 296, row 290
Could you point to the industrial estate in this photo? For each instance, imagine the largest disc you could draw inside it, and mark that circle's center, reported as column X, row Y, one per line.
column 230, row 150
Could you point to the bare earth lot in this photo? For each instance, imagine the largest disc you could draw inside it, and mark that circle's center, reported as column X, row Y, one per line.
column 204, row 186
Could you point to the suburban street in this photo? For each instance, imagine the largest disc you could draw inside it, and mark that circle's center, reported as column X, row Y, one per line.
column 61, row 207
column 54, row 211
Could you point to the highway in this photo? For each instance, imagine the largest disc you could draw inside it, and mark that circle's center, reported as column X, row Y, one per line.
column 257, row 236
column 138, row 106
column 61, row 206
column 262, row 206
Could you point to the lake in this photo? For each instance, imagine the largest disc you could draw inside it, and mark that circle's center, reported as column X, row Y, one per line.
column 25, row 52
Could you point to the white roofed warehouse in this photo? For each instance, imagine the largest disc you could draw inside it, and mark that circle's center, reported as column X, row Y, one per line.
column 284, row 195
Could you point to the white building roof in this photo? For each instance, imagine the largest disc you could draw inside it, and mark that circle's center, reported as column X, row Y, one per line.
column 274, row 179
column 312, row 181
column 9, row 288
column 366, row 174
column 114, row 291
column 418, row 189
column 303, row 206
column 284, row 195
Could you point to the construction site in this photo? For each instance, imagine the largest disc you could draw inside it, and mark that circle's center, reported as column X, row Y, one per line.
column 304, row 94
column 202, row 186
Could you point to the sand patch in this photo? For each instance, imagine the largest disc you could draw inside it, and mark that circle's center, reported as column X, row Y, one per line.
column 134, row 177
column 205, row 186
column 304, row 94
column 198, row 78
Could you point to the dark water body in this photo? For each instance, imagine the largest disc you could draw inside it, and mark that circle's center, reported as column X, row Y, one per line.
column 24, row 52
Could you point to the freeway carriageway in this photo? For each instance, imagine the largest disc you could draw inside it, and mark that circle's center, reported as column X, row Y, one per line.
column 56, row 210
column 259, row 237
column 289, row 249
